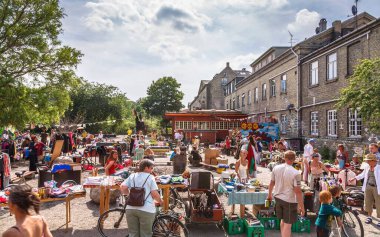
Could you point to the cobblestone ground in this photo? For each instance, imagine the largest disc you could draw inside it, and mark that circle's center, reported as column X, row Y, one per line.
column 85, row 214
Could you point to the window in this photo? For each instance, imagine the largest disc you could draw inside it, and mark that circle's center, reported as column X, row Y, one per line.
column 314, row 123
column 272, row 88
column 314, row 73
column 238, row 102
column 249, row 98
column 256, row 95
column 332, row 67
column 230, row 104
column 283, row 123
column 243, row 100
column 202, row 125
column 332, row 123
column 183, row 125
column 233, row 103
column 283, row 83
column 355, row 123
column 264, row 93
column 227, row 104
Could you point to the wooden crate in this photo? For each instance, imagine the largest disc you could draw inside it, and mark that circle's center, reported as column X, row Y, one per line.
column 218, row 213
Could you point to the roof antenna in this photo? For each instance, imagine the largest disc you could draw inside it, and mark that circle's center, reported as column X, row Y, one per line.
column 291, row 39
column 354, row 11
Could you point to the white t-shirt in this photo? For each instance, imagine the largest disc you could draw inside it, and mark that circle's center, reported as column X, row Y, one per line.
column 286, row 178
column 308, row 151
column 150, row 185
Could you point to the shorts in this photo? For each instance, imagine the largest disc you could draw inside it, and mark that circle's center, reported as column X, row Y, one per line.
column 286, row 211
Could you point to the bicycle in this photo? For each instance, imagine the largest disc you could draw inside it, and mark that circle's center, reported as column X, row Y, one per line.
column 352, row 225
column 112, row 223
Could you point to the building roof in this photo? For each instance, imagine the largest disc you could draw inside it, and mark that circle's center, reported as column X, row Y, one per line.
column 205, row 113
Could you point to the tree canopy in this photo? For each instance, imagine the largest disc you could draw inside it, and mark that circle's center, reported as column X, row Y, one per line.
column 163, row 95
column 36, row 70
column 363, row 92
column 95, row 102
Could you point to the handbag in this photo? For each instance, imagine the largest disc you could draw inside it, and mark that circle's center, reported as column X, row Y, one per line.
column 136, row 196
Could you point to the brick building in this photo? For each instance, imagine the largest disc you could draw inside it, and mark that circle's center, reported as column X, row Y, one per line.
column 324, row 73
column 211, row 92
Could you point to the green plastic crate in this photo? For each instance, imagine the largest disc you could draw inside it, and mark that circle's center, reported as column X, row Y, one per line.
column 234, row 227
column 270, row 223
column 301, row 227
column 255, row 230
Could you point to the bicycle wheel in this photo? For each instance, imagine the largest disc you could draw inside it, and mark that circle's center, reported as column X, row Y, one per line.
column 352, row 225
column 169, row 226
column 113, row 223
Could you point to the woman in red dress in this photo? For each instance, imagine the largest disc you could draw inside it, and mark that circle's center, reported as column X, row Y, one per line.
column 111, row 163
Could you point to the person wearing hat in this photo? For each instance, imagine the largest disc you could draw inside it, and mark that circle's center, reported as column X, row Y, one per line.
column 371, row 187
column 308, row 152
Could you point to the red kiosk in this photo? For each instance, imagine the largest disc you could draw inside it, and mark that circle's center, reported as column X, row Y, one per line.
column 209, row 125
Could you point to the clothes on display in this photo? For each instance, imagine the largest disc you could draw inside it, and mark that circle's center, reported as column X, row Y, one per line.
column 5, row 170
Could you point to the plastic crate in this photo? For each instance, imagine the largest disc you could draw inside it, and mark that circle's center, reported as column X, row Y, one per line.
column 301, row 226
column 234, row 227
column 254, row 230
column 270, row 223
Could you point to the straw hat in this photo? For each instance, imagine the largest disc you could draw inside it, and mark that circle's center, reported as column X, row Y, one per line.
column 370, row 157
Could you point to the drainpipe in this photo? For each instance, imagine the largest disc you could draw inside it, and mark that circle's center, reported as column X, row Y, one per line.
column 298, row 92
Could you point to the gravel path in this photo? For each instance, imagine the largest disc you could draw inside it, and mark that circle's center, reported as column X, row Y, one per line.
column 85, row 214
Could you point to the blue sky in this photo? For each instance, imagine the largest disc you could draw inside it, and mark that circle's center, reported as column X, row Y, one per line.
column 130, row 43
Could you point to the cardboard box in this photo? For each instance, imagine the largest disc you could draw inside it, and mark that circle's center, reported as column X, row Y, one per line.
column 207, row 160
column 222, row 161
column 214, row 162
column 212, row 153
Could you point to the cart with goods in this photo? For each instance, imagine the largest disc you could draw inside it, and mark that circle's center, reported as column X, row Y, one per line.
column 203, row 204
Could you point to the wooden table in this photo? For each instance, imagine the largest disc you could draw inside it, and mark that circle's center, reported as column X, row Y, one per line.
column 105, row 195
column 67, row 201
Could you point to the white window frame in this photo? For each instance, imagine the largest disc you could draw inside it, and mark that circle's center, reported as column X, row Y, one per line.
column 256, row 95
column 314, row 123
column 238, row 102
column 272, row 88
column 233, row 103
column 332, row 123
column 249, row 97
column 226, row 104
column 355, row 124
column 283, row 123
column 332, row 66
column 243, row 100
column 314, row 80
column 264, row 91
column 283, row 84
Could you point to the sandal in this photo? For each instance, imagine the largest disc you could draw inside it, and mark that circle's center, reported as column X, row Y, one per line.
column 368, row 220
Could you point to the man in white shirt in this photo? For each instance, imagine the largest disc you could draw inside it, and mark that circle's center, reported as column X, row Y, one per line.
column 308, row 151
column 286, row 182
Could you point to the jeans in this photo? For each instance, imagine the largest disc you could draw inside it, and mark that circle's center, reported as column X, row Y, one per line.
column 140, row 223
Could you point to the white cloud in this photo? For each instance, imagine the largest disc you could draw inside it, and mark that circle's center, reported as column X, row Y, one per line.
column 243, row 61
column 171, row 48
column 304, row 24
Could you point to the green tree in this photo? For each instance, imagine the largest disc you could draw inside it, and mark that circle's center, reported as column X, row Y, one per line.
column 94, row 102
column 36, row 70
column 363, row 92
column 163, row 95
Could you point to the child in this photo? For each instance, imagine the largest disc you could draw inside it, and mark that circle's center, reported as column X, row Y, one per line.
column 325, row 211
column 335, row 193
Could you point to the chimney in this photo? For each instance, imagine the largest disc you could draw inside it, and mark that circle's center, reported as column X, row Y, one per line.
column 322, row 24
column 337, row 25
column 228, row 64
column 243, row 69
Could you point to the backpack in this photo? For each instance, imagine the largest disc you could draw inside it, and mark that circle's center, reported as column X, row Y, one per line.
column 136, row 196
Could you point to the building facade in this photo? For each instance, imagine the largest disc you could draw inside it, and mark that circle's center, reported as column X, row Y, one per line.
column 325, row 72
column 211, row 92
